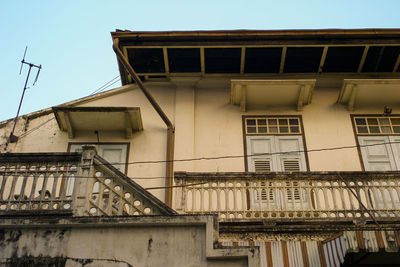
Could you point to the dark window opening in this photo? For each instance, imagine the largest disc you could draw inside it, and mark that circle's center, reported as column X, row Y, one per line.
column 184, row 59
column 146, row 60
column 222, row 60
column 381, row 58
column 343, row 59
column 263, row 60
column 303, row 59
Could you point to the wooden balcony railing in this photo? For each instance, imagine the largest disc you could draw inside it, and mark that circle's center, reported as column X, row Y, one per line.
column 82, row 184
column 309, row 196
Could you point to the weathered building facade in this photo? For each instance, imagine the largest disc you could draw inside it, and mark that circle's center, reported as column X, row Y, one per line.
column 290, row 137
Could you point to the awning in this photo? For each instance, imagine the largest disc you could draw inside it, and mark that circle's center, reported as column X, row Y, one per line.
column 366, row 246
column 122, row 119
column 259, row 94
column 370, row 92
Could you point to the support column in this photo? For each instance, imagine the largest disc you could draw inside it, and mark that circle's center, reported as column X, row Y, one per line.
column 83, row 183
column 185, row 122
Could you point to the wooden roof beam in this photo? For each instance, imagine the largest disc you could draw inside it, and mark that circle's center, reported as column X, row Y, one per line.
column 283, row 58
column 396, row 66
column 322, row 61
column 166, row 62
column 362, row 61
column 202, row 61
column 242, row 60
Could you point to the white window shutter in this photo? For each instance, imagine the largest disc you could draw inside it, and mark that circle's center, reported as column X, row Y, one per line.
column 377, row 153
column 395, row 145
column 292, row 157
column 259, row 149
column 113, row 153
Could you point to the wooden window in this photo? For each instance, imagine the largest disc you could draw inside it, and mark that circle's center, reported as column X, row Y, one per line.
column 272, row 125
column 379, row 140
column 116, row 154
column 275, row 144
column 377, row 125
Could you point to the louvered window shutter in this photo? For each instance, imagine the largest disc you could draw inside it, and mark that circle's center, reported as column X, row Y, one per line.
column 259, row 149
column 291, row 156
column 381, row 153
column 377, row 153
column 265, row 157
column 262, row 165
column 291, row 165
column 292, row 159
column 395, row 145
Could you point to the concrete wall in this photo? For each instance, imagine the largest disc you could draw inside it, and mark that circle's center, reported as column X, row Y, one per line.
column 207, row 125
column 119, row 242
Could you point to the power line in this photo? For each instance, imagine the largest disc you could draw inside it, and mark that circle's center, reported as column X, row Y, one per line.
column 107, row 84
column 100, row 89
column 248, row 156
column 36, row 128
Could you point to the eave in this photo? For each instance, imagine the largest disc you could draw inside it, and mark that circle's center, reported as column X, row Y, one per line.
column 369, row 92
column 248, row 53
column 259, row 94
column 119, row 119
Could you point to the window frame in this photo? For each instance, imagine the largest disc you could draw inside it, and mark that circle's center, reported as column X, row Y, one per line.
column 356, row 135
column 245, row 134
column 105, row 143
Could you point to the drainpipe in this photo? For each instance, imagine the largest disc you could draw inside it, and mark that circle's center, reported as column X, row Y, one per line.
column 170, row 128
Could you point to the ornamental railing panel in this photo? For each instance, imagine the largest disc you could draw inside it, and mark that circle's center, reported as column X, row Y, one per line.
column 82, row 184
column 37, row 181
column 308, row 196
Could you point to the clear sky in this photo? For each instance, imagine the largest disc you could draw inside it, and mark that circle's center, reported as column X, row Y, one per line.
column 71, row 39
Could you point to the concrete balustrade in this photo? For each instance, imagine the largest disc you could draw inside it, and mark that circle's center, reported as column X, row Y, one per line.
column 309, row 196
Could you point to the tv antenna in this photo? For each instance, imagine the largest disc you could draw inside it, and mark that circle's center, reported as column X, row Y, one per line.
column 13, row 138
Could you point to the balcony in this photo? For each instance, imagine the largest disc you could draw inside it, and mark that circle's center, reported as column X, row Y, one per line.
column 76, row 184
column 347, row 198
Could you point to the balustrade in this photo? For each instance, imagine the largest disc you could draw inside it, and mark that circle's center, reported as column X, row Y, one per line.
column 37, row 182
column 83, row 184
column 355, row 195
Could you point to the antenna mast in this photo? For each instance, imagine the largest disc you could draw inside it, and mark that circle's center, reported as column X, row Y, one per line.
column 13, row 138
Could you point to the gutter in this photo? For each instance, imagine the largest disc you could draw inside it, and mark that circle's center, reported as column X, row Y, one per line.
column 170, row 128
column 258, row 34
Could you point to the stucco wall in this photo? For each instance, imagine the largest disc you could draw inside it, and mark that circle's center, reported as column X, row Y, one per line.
column 207, row 125
column 126, row 242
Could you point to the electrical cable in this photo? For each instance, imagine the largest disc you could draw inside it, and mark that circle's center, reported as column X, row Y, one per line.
column 100, row 89
column 36, row 128
column 104, row 85
column 251, row 155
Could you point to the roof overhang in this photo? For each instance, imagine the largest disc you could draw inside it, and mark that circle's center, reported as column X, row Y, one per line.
column 120, row 119
column 255, row 53
column 258, row 94
column 370, row 92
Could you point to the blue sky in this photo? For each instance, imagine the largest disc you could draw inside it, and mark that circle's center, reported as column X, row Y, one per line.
column 71, row 39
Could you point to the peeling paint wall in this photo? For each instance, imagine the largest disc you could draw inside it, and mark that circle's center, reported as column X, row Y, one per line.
column 99, row 245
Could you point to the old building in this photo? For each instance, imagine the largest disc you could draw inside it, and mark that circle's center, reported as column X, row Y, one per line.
column 260, row 148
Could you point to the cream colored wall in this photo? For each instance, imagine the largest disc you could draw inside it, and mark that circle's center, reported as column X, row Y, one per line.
column 207, row 125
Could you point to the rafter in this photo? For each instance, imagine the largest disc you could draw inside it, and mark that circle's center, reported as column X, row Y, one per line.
column 362, row 61
column 323, row 57
column 283, row 58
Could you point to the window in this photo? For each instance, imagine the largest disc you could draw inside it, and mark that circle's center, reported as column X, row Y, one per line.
column 275, row 144
column 116, row 154
column 379, row 140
